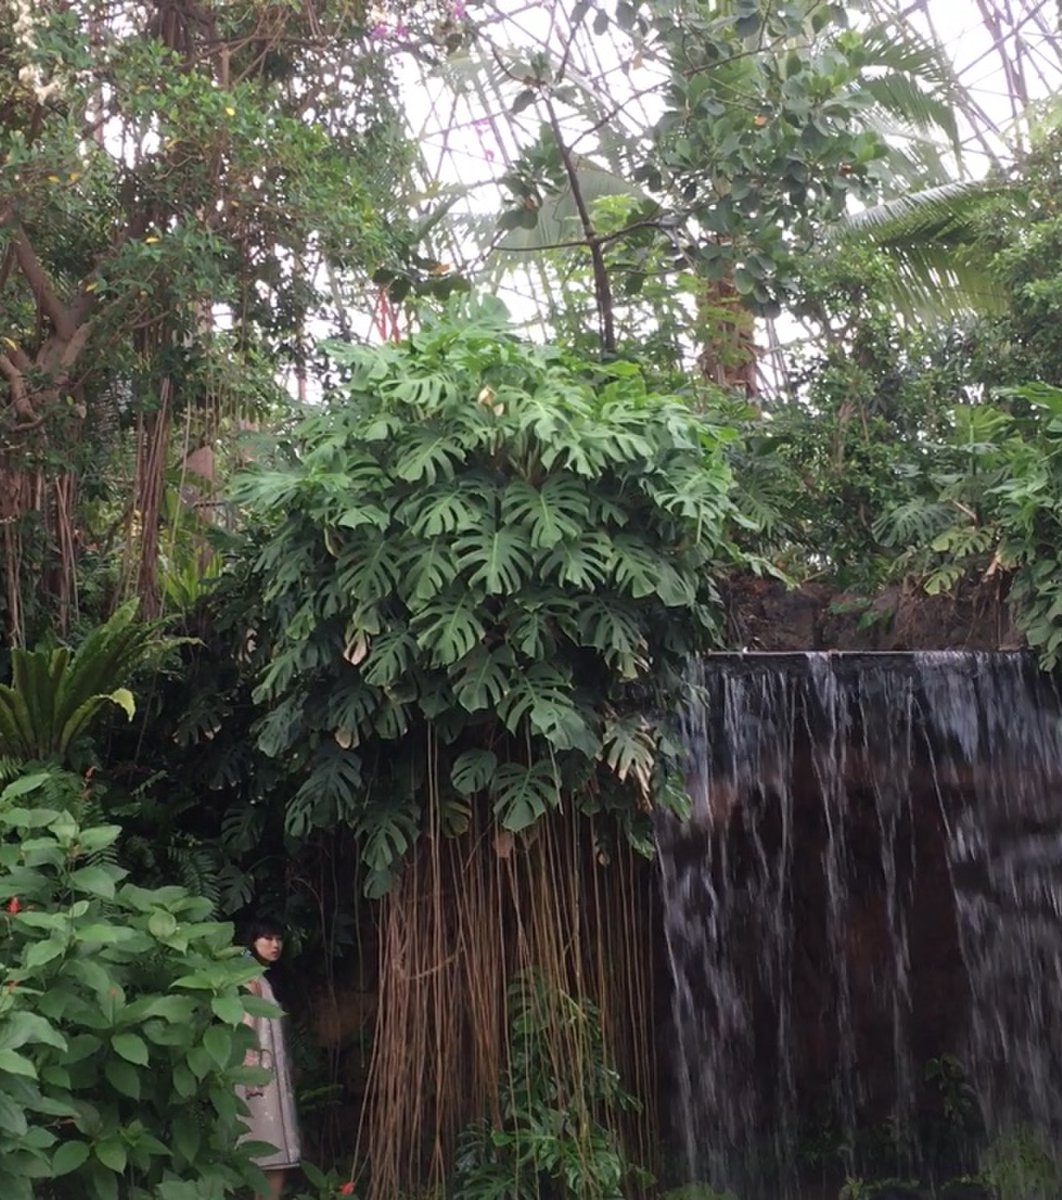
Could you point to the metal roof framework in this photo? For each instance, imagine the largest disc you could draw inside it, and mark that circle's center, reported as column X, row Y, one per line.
column 1006, row 57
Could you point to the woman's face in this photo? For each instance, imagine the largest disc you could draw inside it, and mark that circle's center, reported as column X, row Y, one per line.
column 269, row 947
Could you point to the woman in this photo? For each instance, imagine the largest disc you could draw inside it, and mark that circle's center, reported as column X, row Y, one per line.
column 271, row 1106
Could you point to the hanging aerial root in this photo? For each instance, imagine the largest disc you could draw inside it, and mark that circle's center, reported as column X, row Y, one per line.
column 468, row 917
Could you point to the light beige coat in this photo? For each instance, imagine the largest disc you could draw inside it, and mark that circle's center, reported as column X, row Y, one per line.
column 271, row 1107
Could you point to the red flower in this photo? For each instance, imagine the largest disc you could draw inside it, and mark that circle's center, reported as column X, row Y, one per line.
column 13, row 906
column 347, row 1189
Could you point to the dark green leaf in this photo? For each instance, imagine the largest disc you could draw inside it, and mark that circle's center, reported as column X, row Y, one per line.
column 218, row 1044
column 112, row 1154
column 69, row 1156
column 131, row 1047
column 123, row 1077
column 228, row 1009
column 473, row 771
column 523, row 100
column 97, row 881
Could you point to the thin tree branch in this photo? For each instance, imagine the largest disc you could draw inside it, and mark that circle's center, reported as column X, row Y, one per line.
column 602, row 284
column 18, row 391
column 580, row 243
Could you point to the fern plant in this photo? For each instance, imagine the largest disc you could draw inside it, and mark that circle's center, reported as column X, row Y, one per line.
column 993, row 508
column 483, row 565
column 55, row 694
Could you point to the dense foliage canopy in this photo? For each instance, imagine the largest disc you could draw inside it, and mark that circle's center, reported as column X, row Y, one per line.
column 483, row 569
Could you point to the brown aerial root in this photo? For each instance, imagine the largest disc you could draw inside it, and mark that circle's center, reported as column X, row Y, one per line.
column 469, row 915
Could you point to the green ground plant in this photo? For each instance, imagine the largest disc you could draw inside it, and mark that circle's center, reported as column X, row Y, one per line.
column 121, row 1018
column 56, row 693
column 554, row 1138
column 1017, row 1165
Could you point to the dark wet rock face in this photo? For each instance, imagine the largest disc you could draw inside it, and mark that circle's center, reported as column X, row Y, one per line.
column 765, row 615
column 863, row 918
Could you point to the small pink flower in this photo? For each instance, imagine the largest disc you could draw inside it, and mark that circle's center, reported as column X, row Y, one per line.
column 378, row 32
column 347, row 1189
column 14, row 905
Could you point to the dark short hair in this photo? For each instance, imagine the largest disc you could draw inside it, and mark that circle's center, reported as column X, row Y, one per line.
column 261, row 927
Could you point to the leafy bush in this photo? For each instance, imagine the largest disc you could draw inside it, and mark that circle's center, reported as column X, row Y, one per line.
column 488, row 557
column 1018, row 1165
column 696, row 1191
column 121, row 1034
column 554, row 1138
column 324, row 1185
column 998, row 485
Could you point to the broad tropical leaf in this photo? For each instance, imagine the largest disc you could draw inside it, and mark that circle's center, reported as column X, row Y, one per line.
column 473, row 771
column 390, row 656
column 428, row 456
column 482, row 678
column 448, row 629
column 611, row 627
column 543, row 697
column 582, row 563
column 523, row 794
column 369, row 569
column 329, row 794
column 556, row 510
column 629, row 751
column 387, row 830
column 638, row 569
column 445, row 510
column 427, row 570
column 498, row 560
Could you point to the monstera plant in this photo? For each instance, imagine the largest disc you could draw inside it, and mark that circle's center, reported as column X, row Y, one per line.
column 483, row 565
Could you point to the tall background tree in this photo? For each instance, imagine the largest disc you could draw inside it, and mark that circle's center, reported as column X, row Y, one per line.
column 175, row 179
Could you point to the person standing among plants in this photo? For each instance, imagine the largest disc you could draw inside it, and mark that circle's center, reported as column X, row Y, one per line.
column 271, row 1106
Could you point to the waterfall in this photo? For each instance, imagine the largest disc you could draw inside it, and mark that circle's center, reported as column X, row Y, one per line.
column 862, row 914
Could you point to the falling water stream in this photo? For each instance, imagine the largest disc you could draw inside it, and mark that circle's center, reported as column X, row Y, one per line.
column 870, row 881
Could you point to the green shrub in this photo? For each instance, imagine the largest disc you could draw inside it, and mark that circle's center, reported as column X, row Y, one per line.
column 561, row 1103
column 494, row 550
column 121, row 1034
column 1018, row 1165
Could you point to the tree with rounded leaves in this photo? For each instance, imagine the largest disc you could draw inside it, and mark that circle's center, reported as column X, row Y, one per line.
column 178, row 183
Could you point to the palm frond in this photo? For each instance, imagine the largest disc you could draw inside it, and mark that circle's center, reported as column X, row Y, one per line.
column 914, row 109
column 931, row 237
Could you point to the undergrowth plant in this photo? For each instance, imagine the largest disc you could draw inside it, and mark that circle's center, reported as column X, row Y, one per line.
column 557, row 1135
column 121, row 1019
column 993, row 508
column 1020, row 1165
column 483, row 567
